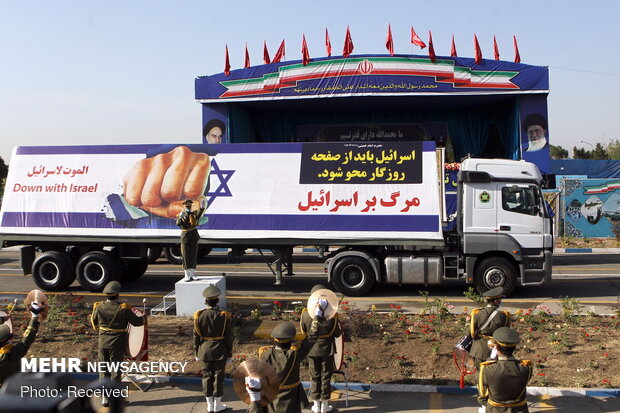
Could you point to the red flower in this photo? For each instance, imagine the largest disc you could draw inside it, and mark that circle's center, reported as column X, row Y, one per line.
column 540, row 374
column 344, row 302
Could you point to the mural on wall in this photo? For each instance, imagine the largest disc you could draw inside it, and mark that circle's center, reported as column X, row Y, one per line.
column 591, row 207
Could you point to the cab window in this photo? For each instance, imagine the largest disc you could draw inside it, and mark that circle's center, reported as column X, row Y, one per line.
column 520, row 200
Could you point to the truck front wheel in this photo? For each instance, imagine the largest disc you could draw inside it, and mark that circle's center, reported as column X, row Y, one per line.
column 53, row 271
column 95, row 269
column 353, row 276
column 495, row 272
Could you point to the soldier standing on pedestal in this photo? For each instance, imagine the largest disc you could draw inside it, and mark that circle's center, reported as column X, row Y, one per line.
column 187, row 220
column 321, row 355
column 111, row 318
column 484, row 321
column 213, row 342
column 502, row 384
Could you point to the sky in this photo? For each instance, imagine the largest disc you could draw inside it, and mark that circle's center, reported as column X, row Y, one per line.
column 122, row 72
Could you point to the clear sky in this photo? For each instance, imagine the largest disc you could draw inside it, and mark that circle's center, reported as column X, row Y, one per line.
column 106, row 72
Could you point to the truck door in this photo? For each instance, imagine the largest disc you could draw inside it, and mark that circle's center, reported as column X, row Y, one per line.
column 519, row 215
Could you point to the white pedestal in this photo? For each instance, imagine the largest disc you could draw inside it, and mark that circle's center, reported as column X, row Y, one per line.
column 189, row 297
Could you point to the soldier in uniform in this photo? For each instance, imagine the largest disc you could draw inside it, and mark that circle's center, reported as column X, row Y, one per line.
column 502, row 384
column 111, row 318
column 213, row 342
column 322, row 354
column 12, row 353
column 484, row 321
column 285, row 358
column 187, row 220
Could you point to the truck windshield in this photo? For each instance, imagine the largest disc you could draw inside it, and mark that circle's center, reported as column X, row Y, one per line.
column 520, row 200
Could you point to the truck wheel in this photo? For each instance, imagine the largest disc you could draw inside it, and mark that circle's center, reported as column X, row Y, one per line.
column 95, row 269
column 134, row 269
column 153, row 253
column 495, row 272
column 353, row 276
column 53, row 271
column 173, row 255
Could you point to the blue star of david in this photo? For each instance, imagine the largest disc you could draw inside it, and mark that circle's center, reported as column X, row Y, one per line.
column 222, row 189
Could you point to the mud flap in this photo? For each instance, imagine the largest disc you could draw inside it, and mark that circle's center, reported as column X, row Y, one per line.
column 26, row 258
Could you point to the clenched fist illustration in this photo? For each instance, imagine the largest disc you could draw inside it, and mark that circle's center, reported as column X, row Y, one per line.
column 161, row 183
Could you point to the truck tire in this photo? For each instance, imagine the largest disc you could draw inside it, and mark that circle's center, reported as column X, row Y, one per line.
column 53, row 271
column 95, row 269
column 173, row 255
column 353, row 276
column 495, row 272
column 134, row 269
column 153, row 253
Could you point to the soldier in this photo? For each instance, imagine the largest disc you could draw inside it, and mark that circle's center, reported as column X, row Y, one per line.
column 502, row 382
column 213, row 342
column 12, row 353
column 285, row 358
column 484, row 321
column 322, row 353
column 111, row 318
column 187, row 220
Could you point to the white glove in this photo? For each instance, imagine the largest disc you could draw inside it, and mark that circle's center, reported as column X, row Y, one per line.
column 253, row 387
column 196, row 358
column 35, row 309
column 321, row 306
column 203, row 203
column 494, row 353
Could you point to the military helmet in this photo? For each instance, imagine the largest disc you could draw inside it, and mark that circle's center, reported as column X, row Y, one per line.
column 112, row 288
column 285, row 331
column 188, row 202
column 506, row 337
column 5, row 333
column 493, row 293
column 317, row 287
column 211, row 292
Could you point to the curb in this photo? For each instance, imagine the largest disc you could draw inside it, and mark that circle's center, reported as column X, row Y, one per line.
column 391, row 388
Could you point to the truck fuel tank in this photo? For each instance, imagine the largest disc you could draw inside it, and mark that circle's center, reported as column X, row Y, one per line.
column 413, row 270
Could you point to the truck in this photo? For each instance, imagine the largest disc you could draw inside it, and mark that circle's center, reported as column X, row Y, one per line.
column 92, row 212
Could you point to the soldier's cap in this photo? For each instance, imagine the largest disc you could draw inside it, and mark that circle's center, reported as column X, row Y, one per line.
column 188, row 202
column 5, row 333
column 284, row 332
column 506, row 337
column 493, row 293
column 211, row 292
column 112, row 288
column 317, row 287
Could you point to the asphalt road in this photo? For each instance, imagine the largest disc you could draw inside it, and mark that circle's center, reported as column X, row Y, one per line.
column 592, row 279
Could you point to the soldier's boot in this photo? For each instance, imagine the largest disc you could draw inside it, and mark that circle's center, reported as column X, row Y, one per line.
column 187, row 276
column 209, row 404
column 192, row 274
column 325, row 407
column 316, row 406
column 218, row 406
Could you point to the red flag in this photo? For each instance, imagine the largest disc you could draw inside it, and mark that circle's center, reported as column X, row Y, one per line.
column 266, row 58
column 389, row 42
column 279, row 54
column 348, row 44
column 478, row 52
column 227, row 63
column 495, row 48
column 431, row 49
column 415, row 39
column 328, row 43
column 247, row 57
column 517, row 55
column 453, row 48
column 305, row 54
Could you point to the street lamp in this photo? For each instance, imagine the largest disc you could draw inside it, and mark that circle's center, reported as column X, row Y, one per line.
column 588, row 143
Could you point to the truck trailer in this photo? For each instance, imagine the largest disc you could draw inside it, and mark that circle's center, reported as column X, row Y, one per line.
column 92, row 212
